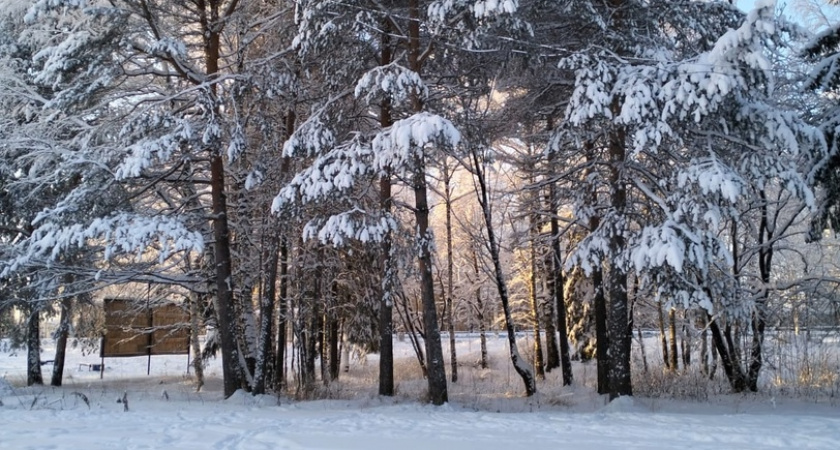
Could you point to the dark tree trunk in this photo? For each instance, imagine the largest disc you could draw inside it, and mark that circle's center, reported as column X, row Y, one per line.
column 601, row 336
column 453, row 358
column 268, row 299
column 519, row 365
column 335, row 359
column 224, row 302
column 759, row 314
column 730, row 366
column 198, row 365
column 63, row 333
column 620, row 336
column 434, row 352
column 479, row 310
column 33, row 347
column 282, row 323
column 704, row 346
column 672, row 327
column 663, row 339
column 386, row 305
column 539, row 364
column 686, row 342
column 557, row 283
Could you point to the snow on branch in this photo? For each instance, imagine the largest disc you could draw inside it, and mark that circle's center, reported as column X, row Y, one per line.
column 310, row 139
column 355, row 225
column 394, row 148
column 441, row 9
column 120, row 234
column 329, row 175
column 393, row 81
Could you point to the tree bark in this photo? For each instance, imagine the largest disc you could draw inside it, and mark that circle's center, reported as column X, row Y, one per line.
column 479, row 310
column 557, row 281
column 386, row 304
column 224, row 301
column 672, row 329
column 434, row 352
column 539, row 364
column 282, row 323
column 663, row 339
column 447, row 197
column 268, row 299
column 620, row 337
column 484, row 199
column 33, row 347
column 63, row 332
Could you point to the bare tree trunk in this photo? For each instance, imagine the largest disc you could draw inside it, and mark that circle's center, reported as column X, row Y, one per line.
column 479, row 310
column 434, row 352
column 601, row 336
column 557, row 283
column 198, row 365
column 225, row 307
column 519, row 365
column 733, row 370
column 282, row 323
column 759, row 314
column 63, row 332
column 386, row 305
column 33, row 347
column 620, row 337
column 642, row 349
column 268, row 299
column 686, row 342
column 335, row 359
column 447, row 198
column 672, row 327
column 663, row 340
column 704, row 346
column 539, row 364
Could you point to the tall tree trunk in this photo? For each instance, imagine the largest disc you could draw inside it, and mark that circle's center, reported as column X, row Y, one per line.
column 733, row 370
column 224, row 302
column 557, row 278
column 279, row 364
column 539, row 364
column 686, row 342
column 282, row 321
column 335, row 358
column 759, row 313
column 386, row 304
column 519, row 364
column 198, row 365
column 663, row 339
column 268, row 299
column 549, row 312
column 33, row 347
column 704, row 345
column 434, row 352
column 601, row 336
column 479, row 310
column 672, row 329
column 620, row 337
column 63, row 333
column 447, row 198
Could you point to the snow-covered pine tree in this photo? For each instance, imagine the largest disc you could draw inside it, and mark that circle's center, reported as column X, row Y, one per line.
column 688, row 111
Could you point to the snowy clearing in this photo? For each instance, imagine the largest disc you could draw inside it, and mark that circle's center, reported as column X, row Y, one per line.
column 165, row 412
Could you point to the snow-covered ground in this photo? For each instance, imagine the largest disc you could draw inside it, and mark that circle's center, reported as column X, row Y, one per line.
column 486, row 412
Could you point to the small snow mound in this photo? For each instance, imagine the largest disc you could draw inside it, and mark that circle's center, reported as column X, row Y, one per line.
column 240, row 396
column 624, row 404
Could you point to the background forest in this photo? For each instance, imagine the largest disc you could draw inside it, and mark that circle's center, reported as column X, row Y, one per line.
column 309, row 177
